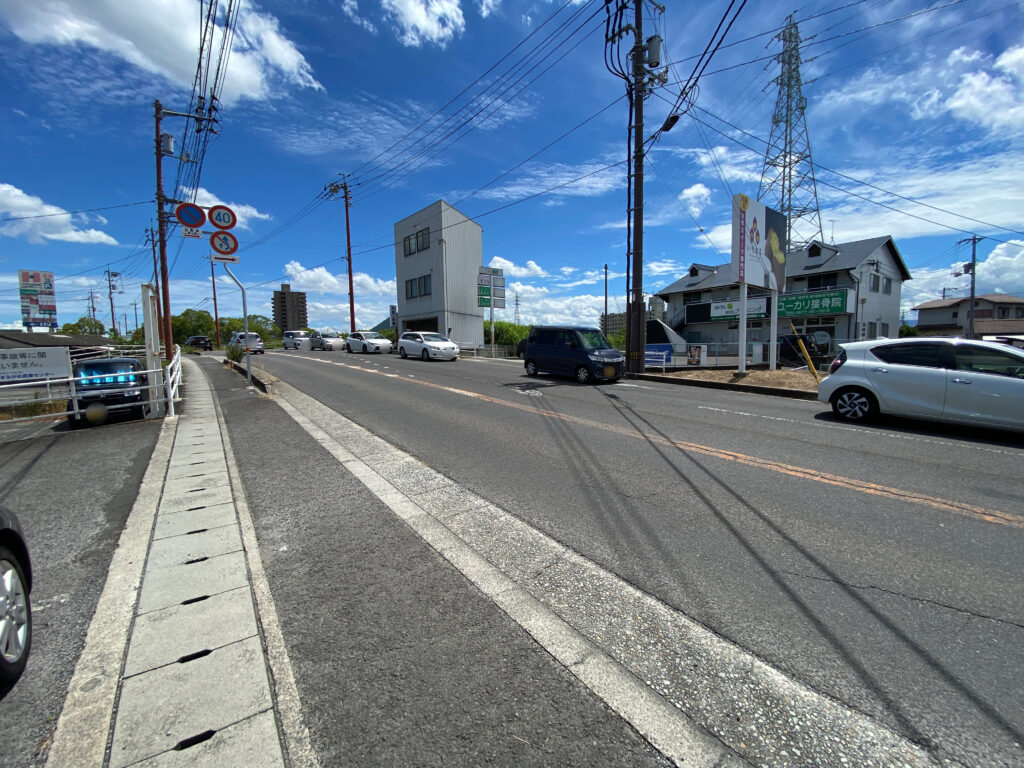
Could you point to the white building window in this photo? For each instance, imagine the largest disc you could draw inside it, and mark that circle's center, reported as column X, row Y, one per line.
column 887, row 286
column 875, row 282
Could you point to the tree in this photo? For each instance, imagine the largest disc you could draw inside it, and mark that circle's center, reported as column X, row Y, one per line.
column 505, row 333
column 909, row 330
column 85, row 326
column 191, row 322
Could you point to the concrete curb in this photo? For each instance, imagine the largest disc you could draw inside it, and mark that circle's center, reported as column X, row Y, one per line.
column 264, row 382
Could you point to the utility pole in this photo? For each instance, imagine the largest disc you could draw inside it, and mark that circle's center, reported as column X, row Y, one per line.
column 974, row 264
column 635, row 361
column 333, row 189
column 604, row 324
column 161, row 226
column 161, row 200
column 135, row 304
column 156, row 291
column 517, row 308
column 110, row 295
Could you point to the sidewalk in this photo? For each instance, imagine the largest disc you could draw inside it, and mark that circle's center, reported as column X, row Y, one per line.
column 194, row 688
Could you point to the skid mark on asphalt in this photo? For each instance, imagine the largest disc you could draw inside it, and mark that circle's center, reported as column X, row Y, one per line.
column 804, row 473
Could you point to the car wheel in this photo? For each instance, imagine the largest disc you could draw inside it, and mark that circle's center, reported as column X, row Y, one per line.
column 16, row 621
column 365, row 349
column 522, row 355
column 425, row 356
column 401, row 353
column 74, row 422
column 348, row 348
column 854, row 405
column 531, row 368
column 138, row 412
column 583, row 375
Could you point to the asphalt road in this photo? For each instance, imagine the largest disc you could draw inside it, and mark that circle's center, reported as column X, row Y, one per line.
column 878, row 565
column 73, row 492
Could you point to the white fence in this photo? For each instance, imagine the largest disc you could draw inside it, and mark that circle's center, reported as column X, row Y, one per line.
column 161, row 385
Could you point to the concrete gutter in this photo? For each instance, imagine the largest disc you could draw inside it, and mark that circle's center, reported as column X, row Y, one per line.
column 262, row 380
column 797, row 394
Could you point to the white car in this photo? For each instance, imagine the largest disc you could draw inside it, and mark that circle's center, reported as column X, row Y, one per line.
column 427, row 345
column 978, row 383
column 296, row 340
column 368, row 341
column 328, row 340
column 253, row 344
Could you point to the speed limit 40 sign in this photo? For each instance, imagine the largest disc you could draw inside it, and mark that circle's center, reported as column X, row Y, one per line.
column 222, row 217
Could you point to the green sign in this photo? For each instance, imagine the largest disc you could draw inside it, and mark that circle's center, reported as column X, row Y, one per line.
column 483, row 301
column 483, row 290
column 817, row 303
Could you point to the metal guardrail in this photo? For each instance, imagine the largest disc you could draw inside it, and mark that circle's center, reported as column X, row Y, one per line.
column 63, row 390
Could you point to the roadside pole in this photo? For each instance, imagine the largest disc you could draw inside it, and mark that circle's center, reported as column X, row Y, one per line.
column 245, row 323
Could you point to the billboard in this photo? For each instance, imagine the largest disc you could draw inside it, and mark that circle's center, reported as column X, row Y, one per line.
column 758, row 244
column 38, row 299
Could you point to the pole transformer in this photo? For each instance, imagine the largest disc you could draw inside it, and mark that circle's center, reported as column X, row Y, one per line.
column 787, row 176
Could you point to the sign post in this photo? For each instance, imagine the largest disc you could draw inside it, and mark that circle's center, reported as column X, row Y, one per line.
column 490, row 292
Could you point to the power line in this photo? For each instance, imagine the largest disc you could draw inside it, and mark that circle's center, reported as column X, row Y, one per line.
column 83, row 210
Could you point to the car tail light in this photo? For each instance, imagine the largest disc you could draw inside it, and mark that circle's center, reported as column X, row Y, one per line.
column 837, row 363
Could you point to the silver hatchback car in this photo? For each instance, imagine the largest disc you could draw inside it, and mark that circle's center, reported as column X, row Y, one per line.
column 977, row 383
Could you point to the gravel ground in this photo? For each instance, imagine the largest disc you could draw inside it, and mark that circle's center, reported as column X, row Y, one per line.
column 783, row 379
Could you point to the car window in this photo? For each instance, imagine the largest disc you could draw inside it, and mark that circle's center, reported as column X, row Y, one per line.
column 983, row 360
column 923, row 355
column 594, row 339
column 542, row 335
column 372, row 335
column 433, row 337
column 564, row 338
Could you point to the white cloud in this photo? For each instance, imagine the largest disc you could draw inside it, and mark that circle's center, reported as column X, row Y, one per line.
column 243, row 212
column 557, row 180
column 426, row 21
column 513, row 270
column 320, row 280
column 993, row 100
column 261, row 55
column 487, row 7
column 696, row 198
column 351, row 9
column 54, row 223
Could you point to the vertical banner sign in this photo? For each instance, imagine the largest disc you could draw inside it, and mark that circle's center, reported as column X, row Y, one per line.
column 38, row 300
column 758, row 244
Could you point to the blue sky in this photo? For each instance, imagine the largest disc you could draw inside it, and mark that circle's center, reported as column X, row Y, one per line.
column 925, row 103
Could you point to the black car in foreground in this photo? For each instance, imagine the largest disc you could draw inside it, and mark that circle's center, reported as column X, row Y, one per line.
column 199, row 342
column 105, row 386
column 15, row 609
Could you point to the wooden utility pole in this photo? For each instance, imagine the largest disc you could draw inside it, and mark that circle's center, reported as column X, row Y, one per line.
column 635, row 318
column 161, row 226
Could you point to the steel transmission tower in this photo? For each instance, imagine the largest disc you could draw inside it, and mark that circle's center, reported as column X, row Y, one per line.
column 787, row 178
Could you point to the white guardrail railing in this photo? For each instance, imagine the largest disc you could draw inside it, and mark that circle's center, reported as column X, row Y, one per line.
column 161, row 386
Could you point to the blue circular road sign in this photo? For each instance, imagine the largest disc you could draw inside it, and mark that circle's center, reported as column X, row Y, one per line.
column 190, row 215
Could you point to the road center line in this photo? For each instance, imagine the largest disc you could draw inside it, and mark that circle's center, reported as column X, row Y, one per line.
column 805, row 473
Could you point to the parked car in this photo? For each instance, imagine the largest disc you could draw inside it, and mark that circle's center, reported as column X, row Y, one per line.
column 296, row 340
column 199, row 342
column 328, row 340
column 368, row 341
column 15, row 588
column 954, row 380
column 427, row 345
column 521, row 349
column 253, row 344
column 107, row 385
column 583, row 353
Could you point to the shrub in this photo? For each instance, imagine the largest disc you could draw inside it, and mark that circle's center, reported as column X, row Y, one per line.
column 234, row 353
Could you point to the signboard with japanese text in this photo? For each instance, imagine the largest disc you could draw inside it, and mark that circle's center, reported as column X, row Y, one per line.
column 34, row 363
column 730, row 310
column 38, row 300
column 818, row 303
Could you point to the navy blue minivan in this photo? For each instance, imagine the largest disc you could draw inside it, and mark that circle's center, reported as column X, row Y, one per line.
column 583, row 353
